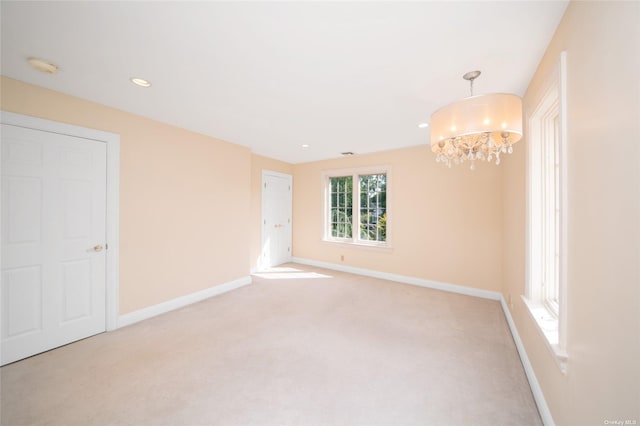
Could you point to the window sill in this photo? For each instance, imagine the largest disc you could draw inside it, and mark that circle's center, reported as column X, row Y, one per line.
column 377, row 247
column 548, row 326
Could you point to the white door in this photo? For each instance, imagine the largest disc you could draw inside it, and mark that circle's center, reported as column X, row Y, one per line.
column 53, row 238
column 276, row 221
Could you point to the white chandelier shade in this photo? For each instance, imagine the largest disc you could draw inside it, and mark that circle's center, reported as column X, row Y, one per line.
column 476, row 128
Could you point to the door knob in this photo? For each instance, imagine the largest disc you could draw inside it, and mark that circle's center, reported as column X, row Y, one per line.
column 98, row 248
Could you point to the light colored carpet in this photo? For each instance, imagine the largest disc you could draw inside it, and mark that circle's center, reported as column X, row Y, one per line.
column 300, row 346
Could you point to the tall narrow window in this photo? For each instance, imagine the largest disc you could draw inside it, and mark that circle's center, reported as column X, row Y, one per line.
column 373, row 207
column 550, row 214
column 341, row 207
column 356, row 206
column 546, row 205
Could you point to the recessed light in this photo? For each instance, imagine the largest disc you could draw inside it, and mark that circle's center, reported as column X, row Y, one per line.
column 42, row 65
column 347, row 153
column 140, row 82
column 423, row 125
column 305, row 146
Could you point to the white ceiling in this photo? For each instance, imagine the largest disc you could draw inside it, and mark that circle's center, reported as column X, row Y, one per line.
column 338, row 76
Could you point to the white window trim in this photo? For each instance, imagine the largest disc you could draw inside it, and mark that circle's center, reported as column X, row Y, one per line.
column 552, row 325
column 355, row 240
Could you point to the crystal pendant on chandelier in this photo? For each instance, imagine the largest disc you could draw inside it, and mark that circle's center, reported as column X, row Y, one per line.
column 476, row 128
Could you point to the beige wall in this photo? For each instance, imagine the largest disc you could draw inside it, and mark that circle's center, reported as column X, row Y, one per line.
column 184, row 198
column 258, row 164
column 446, row 222
column 602, row 383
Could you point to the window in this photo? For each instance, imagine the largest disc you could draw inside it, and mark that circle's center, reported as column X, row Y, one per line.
column 365, row 224
column 546, row 207
column 550, row 213
column 341, row 206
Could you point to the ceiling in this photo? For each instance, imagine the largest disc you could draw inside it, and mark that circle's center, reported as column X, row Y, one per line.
column 273, row 76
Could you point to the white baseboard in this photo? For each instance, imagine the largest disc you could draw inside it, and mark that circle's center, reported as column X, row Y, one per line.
column 179, row 302
column 452, row 288
column 543, row 408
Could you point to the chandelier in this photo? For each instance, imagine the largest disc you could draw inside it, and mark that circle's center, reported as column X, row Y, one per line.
column 476, row 128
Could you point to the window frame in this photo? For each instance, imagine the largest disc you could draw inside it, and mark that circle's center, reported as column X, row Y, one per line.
column 355, row 174
column 546, row 300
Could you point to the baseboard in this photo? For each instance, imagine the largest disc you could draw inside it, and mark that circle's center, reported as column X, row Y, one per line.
column 543, row 408
column 452, row 288
column 179, row 302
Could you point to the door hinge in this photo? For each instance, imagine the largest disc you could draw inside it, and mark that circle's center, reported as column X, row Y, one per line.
column 288, row 249
column 265, row 184
column 106, row 246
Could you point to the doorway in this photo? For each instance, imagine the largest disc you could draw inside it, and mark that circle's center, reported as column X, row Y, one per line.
column 276, row 218
column 59, row 239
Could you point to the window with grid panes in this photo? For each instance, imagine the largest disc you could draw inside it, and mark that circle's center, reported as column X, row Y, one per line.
column 366, row 189
column 373, row 207
column 341, row 214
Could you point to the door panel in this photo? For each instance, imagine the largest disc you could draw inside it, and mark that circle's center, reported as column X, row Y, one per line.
column 23, row 287
column 76, row 290
column 53, row 215
column 24, row 197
